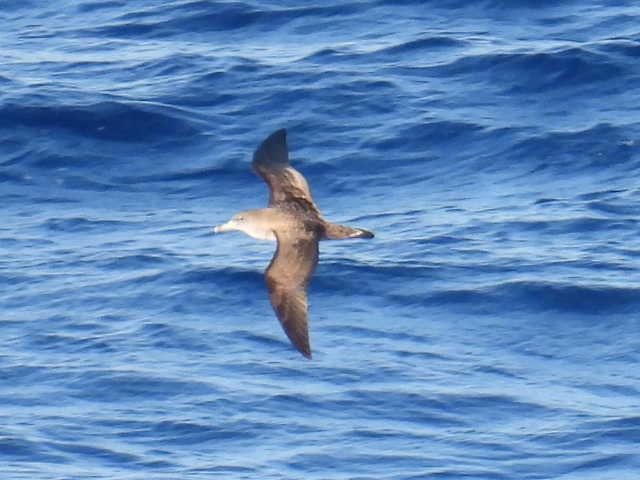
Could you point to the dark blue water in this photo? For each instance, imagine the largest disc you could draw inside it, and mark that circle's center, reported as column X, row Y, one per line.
column 491, row 330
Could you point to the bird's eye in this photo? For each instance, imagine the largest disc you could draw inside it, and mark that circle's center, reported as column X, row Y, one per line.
column 240, row 219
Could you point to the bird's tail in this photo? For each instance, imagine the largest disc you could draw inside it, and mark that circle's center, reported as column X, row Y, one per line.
column 335, row 231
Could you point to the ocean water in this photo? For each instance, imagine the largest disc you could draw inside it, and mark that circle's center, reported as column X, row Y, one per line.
column 491, row 330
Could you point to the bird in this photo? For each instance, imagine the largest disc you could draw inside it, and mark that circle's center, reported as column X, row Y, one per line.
column 293, row 220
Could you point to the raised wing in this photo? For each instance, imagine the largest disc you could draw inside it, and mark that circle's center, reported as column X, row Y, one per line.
column 287, row 278
column 288, row 187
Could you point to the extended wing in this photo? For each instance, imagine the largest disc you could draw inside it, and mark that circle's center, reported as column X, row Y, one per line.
column 287, row 278
column 288, row 186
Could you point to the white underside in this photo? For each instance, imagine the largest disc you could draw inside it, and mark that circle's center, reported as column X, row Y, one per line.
column 259, row 233
column 254, row 229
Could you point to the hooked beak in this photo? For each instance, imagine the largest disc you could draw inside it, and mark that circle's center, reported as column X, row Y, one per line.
column 225, row 227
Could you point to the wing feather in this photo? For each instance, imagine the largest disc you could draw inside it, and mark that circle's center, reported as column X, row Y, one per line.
column 287, row 278
column 288, row 187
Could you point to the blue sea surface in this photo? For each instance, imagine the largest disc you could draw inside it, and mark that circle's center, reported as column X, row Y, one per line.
column 491, row 330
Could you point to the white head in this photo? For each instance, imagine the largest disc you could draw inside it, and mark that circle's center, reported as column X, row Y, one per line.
column 252, row 222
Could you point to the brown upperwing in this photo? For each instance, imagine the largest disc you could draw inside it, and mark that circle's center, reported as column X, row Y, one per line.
column 287, row 278
column 287, row 185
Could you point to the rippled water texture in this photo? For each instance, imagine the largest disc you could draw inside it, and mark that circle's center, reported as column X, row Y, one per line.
column 489, row 331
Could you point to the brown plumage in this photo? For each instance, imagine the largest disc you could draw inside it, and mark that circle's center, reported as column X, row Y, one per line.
column 294, row 220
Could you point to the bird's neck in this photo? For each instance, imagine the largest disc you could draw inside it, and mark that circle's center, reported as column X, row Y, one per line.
column 258, row 232
column 259, row 224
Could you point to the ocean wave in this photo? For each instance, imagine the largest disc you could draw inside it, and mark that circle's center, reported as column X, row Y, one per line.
column 436, row 134
column 189, row 433
column 83, row 343
column 576, row 225
column 16, row 448
column 572, row 152
column 625, row 48
column 235, row 277
column 203, row 17
column 166, row 333
column 90, row 7
column 136, row 261
column 110, row 386
column 116, row 121
column 370, row 332
column 83, row 224
column 103, row 453
column 15, row 178
column 543, row 297
column 619, row 208
column 624, row 429
column 418, row 286
column 216, row 174
column 420, row 45
column 562, row 69
column 443, row 408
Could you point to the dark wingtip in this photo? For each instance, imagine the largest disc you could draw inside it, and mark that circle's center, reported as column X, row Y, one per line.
column 279, row 133
column 279, row 137
column 304, row 348
column 273, row 150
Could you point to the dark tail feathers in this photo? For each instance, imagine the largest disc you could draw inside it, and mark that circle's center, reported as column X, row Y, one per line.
column 335, row 231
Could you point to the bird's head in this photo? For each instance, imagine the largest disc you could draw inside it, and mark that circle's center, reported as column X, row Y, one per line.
column 237, row 222
column 254, row 223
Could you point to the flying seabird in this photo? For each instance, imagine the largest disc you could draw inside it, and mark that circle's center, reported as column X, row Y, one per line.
column 295, row 222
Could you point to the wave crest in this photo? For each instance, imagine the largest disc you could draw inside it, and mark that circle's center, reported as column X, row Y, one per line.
column 111, row 120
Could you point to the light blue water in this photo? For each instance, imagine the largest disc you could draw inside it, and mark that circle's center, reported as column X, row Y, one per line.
column 489, row 331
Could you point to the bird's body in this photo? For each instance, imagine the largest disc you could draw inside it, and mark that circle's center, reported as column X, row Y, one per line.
column 295, row 222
